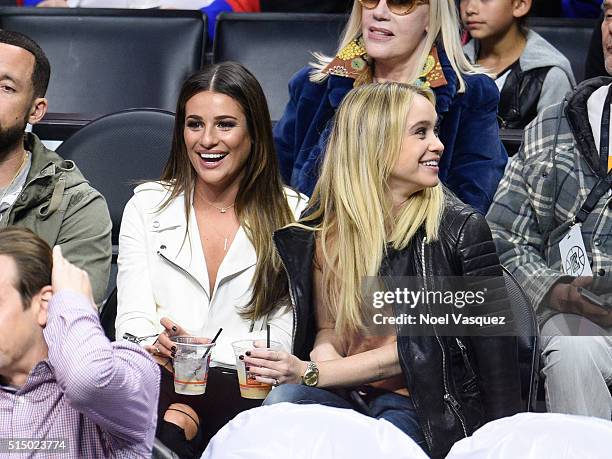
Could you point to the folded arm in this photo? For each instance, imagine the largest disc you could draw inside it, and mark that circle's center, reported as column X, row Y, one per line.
column 358, row 369
column 334, row 369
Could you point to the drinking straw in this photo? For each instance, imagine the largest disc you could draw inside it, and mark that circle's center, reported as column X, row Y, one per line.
column 268, row 336
column 212, row 342
column 207, row 351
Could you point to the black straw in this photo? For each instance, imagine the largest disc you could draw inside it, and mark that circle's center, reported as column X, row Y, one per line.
column 268, row 336
column 212, row 342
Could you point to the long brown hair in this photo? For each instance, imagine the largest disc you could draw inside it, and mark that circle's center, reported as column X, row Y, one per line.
column 261, row 205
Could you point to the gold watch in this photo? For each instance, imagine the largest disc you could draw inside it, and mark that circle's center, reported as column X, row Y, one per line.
column 311, row 375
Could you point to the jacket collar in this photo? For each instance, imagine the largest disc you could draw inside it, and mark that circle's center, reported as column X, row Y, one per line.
column 46, row 163
column 48, row 177
column 578, row 119
column 538, row 53
column 446, row 93
column 341, row 81
column 187, row 252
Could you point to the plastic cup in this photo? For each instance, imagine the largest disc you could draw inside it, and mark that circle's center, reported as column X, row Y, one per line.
column 191, row 364
column 249, row 387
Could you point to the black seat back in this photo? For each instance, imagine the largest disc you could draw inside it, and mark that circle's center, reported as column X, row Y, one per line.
column 512, row 140
column 528, row 338
column 570, row 36
column 116, row 151
column 274, row 46
column 108, row 314
column 106, row 60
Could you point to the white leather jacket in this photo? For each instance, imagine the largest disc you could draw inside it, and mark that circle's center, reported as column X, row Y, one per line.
column 163, row 274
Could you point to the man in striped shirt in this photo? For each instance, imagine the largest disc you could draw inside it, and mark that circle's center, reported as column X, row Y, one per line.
column 64, row 387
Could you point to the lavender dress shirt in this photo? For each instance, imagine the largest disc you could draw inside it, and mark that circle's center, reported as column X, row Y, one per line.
column 100, row 397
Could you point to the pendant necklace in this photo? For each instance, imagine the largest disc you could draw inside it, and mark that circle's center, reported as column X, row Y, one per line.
column 220, row 209
column 225, row 238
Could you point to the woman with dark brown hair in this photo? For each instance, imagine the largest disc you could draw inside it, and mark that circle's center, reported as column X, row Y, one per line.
column 196, row 251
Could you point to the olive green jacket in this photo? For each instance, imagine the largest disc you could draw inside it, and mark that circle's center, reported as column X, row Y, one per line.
column 59, row 205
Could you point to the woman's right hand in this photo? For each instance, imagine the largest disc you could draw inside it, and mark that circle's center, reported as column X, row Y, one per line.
column 163, row 348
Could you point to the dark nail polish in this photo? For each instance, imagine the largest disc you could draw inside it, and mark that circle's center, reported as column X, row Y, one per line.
column 174, row 328
column 247, row 368
column 173, row 354
column 241, row 357
column 248, row 353
column 173, row 348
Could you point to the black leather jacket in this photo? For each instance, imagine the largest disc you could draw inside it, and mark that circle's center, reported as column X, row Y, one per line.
column 518, row 99
column 457, row 384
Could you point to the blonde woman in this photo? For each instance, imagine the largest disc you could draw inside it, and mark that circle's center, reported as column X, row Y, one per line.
column 406, row 41
column 380, row 209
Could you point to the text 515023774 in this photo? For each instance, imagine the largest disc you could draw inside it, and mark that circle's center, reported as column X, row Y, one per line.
column 31, row 445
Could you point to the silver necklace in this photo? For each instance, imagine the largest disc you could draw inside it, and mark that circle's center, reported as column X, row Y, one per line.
column 220, row 209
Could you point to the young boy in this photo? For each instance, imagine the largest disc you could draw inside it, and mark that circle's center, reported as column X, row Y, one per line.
column 530, row 73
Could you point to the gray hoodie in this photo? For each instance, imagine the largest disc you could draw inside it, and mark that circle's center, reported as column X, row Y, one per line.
column 540, row 53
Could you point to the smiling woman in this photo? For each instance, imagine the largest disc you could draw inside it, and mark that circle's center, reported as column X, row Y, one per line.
column 218, row 142
column 404, row 41
column 379, row 210
column 196, row 252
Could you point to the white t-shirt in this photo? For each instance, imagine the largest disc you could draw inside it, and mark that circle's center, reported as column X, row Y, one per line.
column 595, row 109
column 501, row 79
column 9, row 195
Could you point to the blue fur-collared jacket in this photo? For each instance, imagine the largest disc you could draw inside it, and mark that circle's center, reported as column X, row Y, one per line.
column 474, row 158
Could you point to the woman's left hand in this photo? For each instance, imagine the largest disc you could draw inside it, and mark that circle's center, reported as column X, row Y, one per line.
column 274, row 367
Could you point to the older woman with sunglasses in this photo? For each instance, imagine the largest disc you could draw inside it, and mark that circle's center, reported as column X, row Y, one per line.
column 408, row 41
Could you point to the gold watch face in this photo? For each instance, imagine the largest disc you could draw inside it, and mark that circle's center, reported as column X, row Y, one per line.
column 311, row 377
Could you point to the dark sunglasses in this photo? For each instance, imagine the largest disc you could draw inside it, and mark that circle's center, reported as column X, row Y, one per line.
column 399, row 7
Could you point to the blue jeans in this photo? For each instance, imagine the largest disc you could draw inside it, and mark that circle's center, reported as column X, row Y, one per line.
column 395, row 408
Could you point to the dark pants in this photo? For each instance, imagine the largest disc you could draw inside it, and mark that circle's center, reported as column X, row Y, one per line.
column 219, row 404
column 376, row 403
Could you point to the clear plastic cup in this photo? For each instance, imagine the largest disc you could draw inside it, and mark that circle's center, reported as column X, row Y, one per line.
column 249, row 387
column 191, row 364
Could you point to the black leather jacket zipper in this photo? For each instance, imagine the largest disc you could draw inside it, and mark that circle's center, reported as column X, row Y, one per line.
column 451, row 401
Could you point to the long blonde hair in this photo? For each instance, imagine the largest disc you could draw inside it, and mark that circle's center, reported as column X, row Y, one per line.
column 351, row 210
column 443, row 24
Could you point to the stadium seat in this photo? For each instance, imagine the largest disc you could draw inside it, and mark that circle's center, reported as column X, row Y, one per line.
column 274, row 46
column 570, row 36
column 528, row 339
column 117, row 151
column 512, row 139
column 536, row 436
column 160, row 451
column 108, row 312
column 322, row 432
column 107, row 60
